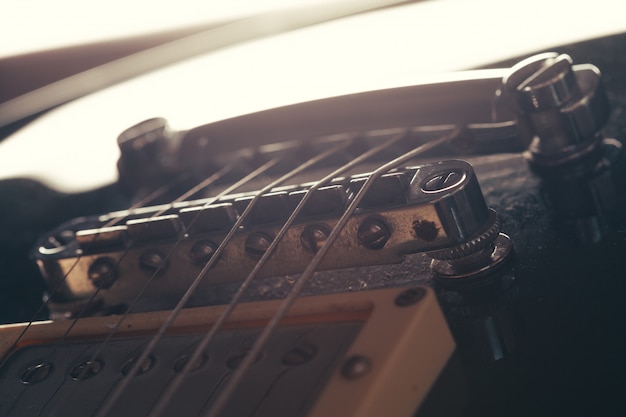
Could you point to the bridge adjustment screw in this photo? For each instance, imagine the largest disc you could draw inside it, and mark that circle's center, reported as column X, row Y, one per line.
column 102, row 272
column 257, row 244
column 201, row 252
column 153, row 261
column 313, row 237
column 373, row 234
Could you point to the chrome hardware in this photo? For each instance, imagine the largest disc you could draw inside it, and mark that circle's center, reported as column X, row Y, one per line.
column 425, row 219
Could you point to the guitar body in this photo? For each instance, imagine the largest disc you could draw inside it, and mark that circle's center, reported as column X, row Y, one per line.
column 550, row 344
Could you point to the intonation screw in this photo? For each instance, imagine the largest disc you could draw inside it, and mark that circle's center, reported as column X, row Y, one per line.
column 36, row 373
column 102, row 272
column 355, row 367
column 257, row 244
column 152, row 261
column 313, row 237
column 442, row 181
column 202, row 251
column 373, row 234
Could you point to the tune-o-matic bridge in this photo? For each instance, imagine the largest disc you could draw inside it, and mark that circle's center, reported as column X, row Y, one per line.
column 111, row 257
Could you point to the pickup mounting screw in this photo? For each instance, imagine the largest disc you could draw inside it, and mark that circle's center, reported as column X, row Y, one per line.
column 181, row 362
column 146, row 365
column 36, row 373
column 355, row 367
column 86, row 370
column 373, row 234
column 102, row 272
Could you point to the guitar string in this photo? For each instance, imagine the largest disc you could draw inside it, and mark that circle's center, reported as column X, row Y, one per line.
column 191, row 192
column 231, row 188
column 141, row 203
column 237, row 376
column 157, row 193
column 146, row 200
column 195, row 189
column 166, row 397
column 107, row 405
column 92, row 298
column 216, row 176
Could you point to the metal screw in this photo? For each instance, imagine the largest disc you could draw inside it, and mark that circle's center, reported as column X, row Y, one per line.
column 36, row 373
column 410, row 296
column 102, row 272
column 442, row 181
column 257, row 243
column 313, row 237
column 299, row 355
column 373, row 234
column 145, row 366
column 235, row 360
column 152, row 261
column 202, row 251
column 86, row 370
column 355, row 367
column 181, row 362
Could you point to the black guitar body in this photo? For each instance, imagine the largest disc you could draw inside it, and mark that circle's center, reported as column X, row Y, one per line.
column 552, row 344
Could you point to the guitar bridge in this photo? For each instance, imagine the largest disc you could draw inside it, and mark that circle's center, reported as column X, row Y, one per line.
column 427, row 208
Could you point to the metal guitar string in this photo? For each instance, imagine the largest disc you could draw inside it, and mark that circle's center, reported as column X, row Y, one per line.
column 195, row 189
column 235, row 379
column 112, row 222
column 166, row 397
column 111, row 400
column 205, row 183
column 80, row 314
column 146, row 200
column 141, row 203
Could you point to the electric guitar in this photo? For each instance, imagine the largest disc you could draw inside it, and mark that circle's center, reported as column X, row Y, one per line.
column 446, row 248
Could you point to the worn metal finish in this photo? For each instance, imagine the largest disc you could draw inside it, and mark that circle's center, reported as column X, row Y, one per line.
column 570, row 295
column 421, row 221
